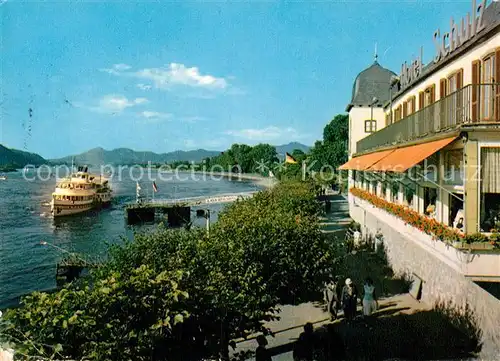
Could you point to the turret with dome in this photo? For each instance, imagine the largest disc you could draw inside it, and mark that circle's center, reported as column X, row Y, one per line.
column 371, row 90
column 373, row 82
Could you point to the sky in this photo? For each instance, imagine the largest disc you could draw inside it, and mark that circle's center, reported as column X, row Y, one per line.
column 163, row 76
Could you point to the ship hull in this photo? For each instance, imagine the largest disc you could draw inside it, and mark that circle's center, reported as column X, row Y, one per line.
column 61, row 210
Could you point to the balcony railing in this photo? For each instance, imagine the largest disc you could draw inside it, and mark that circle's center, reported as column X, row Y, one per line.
column 472, row 104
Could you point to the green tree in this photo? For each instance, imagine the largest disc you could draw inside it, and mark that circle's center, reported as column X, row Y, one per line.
column 263, row 154
column 242, row 156
column 332, row 151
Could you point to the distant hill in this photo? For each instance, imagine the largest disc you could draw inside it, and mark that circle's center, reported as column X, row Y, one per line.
column 290, row 147
column 100, row 156
column 18, row 158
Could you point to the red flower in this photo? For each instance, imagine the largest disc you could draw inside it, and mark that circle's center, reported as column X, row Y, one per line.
column 424, row 224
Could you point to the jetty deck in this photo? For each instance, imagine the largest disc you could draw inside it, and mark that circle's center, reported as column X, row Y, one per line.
column 178, row 210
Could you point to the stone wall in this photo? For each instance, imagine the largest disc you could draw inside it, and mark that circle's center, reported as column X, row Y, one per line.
column 442, row 279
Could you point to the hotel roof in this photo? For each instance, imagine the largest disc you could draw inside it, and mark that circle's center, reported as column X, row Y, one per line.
column 373, row 82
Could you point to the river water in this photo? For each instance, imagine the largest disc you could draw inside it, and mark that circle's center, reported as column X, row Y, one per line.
column 26, row 265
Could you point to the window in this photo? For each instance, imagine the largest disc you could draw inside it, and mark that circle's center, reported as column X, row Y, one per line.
column 452, row 84
column 456, row 211
column 370, row 126
column 490, row 188
column 430, row 197
column 409, row 195
column 488, row 93
column 394, row 192
column 454, row 167
column 397, row 114
column 429, row 95
column 412, row 107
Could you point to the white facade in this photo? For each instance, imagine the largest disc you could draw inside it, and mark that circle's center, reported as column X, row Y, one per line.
column 357, row 118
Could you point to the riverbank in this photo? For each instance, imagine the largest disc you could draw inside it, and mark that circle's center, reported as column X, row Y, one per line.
column 266, row 182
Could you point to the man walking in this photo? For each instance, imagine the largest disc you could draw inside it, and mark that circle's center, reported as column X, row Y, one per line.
column 349, row 299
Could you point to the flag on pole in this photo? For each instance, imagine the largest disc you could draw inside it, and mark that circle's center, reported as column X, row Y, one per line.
column 155, row 188
column 290, row 159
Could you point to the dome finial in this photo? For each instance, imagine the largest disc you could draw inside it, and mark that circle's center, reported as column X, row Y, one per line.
column 376, row 53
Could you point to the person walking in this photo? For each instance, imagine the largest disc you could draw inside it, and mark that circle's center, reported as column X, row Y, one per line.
column 349, row 299
column 304, row 347
column 369, row 298
column 262, row 353
column 331, row 299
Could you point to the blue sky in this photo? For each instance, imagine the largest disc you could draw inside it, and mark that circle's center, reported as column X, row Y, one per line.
column 188, row 75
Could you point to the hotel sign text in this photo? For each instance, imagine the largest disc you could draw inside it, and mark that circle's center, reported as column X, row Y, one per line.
column 411, row 72
column 459, row 34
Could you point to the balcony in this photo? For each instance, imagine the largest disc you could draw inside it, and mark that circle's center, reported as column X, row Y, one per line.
column 473, row 104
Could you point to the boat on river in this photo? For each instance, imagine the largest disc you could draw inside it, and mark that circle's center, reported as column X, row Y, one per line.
column 80, row 192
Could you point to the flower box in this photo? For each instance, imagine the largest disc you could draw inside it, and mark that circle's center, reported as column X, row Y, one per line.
column 430, row 226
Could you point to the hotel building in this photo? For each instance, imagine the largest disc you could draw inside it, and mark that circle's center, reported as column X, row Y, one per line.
column 424, row 166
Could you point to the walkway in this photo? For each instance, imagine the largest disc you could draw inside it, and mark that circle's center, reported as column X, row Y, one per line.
column 289, row 327
column 403, row 327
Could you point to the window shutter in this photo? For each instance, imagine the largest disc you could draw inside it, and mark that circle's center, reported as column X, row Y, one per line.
column 420, row 100
column 497, row 84
column 433, row 93
column 399, row 112
column 476, row 75
column 413, row 104
column 405, row 109
column 460, row 78
column 442, row 88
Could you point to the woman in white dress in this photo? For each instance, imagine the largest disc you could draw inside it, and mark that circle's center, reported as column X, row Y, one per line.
column 369, row 298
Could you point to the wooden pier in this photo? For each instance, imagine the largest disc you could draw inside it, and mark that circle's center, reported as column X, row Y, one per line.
column 177, row 211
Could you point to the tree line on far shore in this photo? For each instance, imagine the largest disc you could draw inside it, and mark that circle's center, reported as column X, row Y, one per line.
column 326, row 155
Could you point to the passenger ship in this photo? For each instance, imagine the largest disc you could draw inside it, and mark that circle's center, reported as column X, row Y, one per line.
column 80, row 192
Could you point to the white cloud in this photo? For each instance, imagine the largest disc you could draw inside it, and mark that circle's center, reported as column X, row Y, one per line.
column 151, row 115
column 180, row 74
column 170, row 75
column 121, row 67
column 265, row 134
column 116, row 69
column 140, row 101
column 144, row 86
column 115, row 103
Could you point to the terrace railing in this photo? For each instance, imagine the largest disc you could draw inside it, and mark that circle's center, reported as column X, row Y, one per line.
column 479, row 103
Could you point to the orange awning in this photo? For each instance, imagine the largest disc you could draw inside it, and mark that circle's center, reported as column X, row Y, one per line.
column 364, row 162
column 404, row 158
